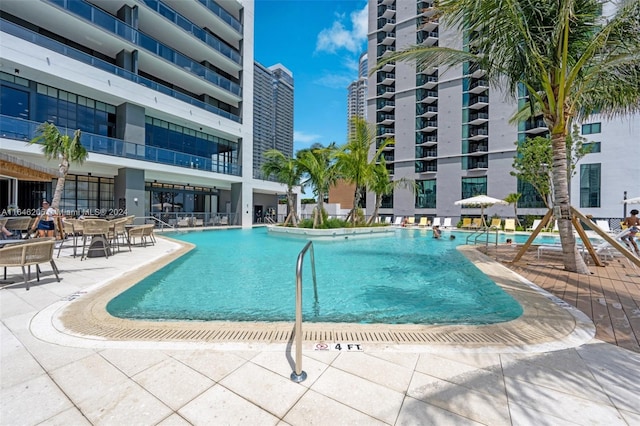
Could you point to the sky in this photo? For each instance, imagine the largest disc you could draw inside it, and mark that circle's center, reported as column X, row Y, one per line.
column 320, row 42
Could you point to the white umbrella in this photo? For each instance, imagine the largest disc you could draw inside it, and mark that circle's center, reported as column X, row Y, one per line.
column 635, row 200
column 481, row 201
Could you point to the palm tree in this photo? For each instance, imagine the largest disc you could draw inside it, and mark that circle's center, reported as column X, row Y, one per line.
column 381, row 184
column 67, row 150
column 285, row 170
column 513, row 199
column 570, row 61
column 316, row 164
column 352, row 161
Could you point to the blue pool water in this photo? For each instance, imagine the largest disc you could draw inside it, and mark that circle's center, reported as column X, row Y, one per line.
column 248, row 275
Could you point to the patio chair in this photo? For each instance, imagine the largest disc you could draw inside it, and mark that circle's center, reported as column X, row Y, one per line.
column 436, row 222
column 29, row 253
column 509, row 225
column 496, row 223
column 535, row 225
column 387, row 220
column 118, row 232
column 97, row 230
column 466, row 223
column 19, row 225
column 476, row 223
column 144, row 233
column 224, row 220
column 446, row 223
column 411, row 221
column 70, row 235
column 424, row 222
column 398, row 221
column 184, row 221
column 604, row 225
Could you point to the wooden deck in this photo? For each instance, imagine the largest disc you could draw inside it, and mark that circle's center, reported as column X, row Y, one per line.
column 610, row 296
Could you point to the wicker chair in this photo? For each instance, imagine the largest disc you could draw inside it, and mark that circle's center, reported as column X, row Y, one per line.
column 95, row 229
column 29, row 253
column 143, row 232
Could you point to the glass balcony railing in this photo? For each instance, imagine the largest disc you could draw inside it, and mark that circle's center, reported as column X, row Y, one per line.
column 115, row 26
column 61, row 48
column 222, row 14
column 211, row 40
column 19, row 129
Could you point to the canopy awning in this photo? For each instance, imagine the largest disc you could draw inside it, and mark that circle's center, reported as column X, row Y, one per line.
column 17, row 168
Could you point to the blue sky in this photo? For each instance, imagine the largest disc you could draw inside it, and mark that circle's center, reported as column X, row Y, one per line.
column 320, row 42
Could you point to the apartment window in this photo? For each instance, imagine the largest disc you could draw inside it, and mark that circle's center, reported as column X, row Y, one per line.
column 590, row 185
column 592, row 147
column 426, row 194
column 530, row 199
column 472, row 186
column 591, row 128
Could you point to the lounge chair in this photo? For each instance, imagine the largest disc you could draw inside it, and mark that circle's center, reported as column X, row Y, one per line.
column 555, row 248
column 436, row 222
column 424, row 222
column 29, row 253
column 535, row 225
column 224, row 220
column 411, row 221
column 184, row 221
column 555, row 226
column 496, row 223
column 398, row 221
column 466, row 223
column 509, row 225
column 387, row 220
column 446, row 223
column 604, row 225
column 476, row 223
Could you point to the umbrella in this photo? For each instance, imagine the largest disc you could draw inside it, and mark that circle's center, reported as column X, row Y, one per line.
column 481, row 201
column 635, row 200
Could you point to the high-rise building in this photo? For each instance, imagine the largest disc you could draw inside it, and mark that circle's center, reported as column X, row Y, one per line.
column 357, row 95
column 273, row 112
column 163, row 94
column 452, row 132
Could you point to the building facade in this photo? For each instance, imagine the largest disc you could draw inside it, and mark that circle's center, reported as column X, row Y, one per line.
column 452, row 132
column 162, row 92
column 357, row 95
column 273, row 113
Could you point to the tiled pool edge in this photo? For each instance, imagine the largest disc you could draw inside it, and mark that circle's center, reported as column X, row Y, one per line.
column 546, row 324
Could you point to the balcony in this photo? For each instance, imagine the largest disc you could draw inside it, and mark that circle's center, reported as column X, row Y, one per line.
column 479, row 102
column 389, row 11
column 478, row 165
column 386, row 119
column 428, row 38
column 427, row 140
column 478, row 149
column 422, row 153
column 387, row 25
column 427, row 96
column 537, row 126
column 19, row 129
column 476, row 72
column 478, row 134
column 478, row 86
column 386, row 132
column 426, row 111
column 429, row 23
column 426, row 166
column 387, row 38
column 478, row 118
column 386, row 78
column 386, row 51
column 386, row 106
column 386, row 92
column 388, row 67
column 85, row 58
column 427, row 125
column 426, row 81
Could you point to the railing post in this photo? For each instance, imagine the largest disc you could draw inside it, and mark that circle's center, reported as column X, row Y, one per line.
column 298, row 375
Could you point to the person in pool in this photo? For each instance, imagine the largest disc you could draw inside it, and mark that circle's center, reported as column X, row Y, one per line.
column 633, row 223
column 436, row 232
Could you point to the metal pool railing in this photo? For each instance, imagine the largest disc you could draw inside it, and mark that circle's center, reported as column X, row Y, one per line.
column 298, row 375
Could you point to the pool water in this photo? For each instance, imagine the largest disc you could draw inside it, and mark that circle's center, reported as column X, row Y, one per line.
column 248, row 275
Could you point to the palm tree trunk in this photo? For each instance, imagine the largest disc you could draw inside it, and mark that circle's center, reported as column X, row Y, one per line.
column 292, row 211
column 376, row 209
column 572, row 260
column 62, row 175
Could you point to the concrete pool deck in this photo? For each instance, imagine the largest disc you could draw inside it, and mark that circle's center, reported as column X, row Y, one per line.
column 51, row 375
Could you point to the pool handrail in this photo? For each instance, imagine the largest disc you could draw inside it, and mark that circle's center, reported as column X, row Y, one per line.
column 298, row 375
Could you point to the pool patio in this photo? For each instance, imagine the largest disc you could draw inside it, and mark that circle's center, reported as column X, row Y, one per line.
column 53, row 377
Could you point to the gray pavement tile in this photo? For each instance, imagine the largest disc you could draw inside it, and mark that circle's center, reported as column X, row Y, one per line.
column 213, row 364
column 375, row 370
column 283, row 366
column 32, row 402
column 220, row 406
column 133, row 361
column 72, row 416
column 370, row 398
column 416, row 412
column 523, row 415
column 317, row 409
column 174, row 420
column 404, row 359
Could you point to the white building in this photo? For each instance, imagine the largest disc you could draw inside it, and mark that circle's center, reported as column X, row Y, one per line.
column 162, row 91
column 453, row 136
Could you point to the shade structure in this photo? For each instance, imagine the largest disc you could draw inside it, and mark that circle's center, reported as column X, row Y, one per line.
column 635, row 200
column 481, row 201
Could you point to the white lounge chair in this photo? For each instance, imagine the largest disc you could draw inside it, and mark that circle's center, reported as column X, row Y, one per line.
column 535, row 225
column 446, row 223
column 387, row 219
column 436, row 222
column 398, row 221
column 604, row 225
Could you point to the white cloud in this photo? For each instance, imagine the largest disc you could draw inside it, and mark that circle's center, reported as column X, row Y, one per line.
column 303, row 137
column 335, row 81
column 338, row 37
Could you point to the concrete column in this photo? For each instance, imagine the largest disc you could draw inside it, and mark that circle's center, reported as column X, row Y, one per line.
column 242, row 204
column 129, row 187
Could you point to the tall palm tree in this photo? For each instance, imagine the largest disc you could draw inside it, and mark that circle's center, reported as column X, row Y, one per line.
column 59, row 147
column 570, row 60
column 353, row 163
column 285, row 170
column 317, row 164
column 381, row 184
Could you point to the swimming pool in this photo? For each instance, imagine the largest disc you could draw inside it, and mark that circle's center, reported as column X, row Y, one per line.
column 248, row 275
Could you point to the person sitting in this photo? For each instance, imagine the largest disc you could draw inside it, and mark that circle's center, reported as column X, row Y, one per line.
column 436, row 232
column 6, row 233
column 45, row 224
column 633, row 223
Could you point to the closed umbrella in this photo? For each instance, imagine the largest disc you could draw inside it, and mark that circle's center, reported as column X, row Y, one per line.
column 481, row 201
column 635, row 200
